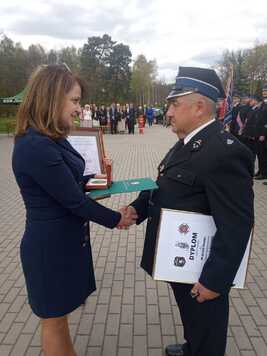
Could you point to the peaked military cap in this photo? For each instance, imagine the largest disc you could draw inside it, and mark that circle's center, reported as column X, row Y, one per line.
column 197, row 80
column 264, row 87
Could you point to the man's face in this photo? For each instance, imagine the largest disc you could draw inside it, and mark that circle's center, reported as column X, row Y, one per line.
column 264, row 94
column 253, row 102
column 236, row 100
column 245, row 101
column 181, row 115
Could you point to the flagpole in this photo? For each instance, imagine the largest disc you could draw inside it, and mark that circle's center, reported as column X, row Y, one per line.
column 228, row 101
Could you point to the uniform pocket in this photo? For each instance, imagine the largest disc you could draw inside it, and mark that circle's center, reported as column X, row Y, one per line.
column 181, row 175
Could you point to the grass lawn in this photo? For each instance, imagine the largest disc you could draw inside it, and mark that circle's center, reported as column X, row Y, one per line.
column 7, row 124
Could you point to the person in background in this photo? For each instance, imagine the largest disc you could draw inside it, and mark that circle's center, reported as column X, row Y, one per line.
column 131, row 119
column 241, row 118
column 150, row 116
column 55, row 248
column 113, row 118
column 262, row 136
column 234, row 126
column 102, row 116
column 86, row 117
column 250, row 126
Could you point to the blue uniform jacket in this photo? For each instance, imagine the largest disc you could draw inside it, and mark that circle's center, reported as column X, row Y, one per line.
column 55, row 249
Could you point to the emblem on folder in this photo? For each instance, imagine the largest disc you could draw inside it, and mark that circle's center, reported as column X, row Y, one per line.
column 182, row 245
column 179, row 261
column 184, row 229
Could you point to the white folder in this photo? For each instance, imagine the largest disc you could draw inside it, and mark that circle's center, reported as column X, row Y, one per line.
column 183, row 246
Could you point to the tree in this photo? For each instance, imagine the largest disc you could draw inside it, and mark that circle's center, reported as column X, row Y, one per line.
column 71, row 57
column 12, row 67
column 35, row 56
column 143, row 77
column 118, row 72
column 256, row 67
column 250, row 68
column 52, row 57
column 94, row 60
column 237, row 60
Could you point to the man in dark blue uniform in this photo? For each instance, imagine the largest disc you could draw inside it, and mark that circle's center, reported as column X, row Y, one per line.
column 131, row 119
column 207, row 171
column 249, row 131
column 262, row 134
column 234, row 127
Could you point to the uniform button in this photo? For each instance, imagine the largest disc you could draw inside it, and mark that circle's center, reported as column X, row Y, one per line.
column 161, row 174
column 149, row 218
column 83, row 244
column 179, row 176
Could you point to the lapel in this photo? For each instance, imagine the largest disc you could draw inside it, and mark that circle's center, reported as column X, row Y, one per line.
column 67, row 146
column 194, row 145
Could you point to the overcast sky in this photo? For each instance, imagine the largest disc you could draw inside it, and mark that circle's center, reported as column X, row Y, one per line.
column 173, row 32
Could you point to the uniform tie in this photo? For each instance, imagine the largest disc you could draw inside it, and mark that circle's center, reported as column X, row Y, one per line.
column 179, row 144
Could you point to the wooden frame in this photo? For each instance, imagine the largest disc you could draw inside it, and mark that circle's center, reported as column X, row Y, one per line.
column 95, row 132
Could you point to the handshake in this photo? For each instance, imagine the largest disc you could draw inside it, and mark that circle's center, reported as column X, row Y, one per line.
column 128, row 217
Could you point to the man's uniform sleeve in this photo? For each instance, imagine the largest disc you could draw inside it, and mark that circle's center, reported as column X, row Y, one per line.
column 229, row 191
column 141, row 205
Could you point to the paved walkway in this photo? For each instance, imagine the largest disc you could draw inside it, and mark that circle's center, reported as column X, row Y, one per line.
column 129, row 315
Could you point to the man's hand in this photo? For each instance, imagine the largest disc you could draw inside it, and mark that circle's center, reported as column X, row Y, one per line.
column 262, row 138
column 202, row 294
column 128, row 217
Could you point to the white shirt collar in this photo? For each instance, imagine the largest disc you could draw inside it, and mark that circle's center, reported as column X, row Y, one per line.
column 193, row 133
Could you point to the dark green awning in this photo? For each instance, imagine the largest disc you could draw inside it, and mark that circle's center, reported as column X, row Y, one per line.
column 16, row 99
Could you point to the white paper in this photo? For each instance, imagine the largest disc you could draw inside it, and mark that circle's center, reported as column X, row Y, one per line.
column 87, row 147
column 184, row 243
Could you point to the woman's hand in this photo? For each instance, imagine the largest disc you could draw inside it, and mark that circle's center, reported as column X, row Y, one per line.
column 128, row 217
column 100, row 176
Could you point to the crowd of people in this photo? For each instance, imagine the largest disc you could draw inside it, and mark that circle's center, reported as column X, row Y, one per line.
column 121, row 118
column 249, row 125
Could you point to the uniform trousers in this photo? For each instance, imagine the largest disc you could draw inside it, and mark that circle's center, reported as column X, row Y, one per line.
column 113, row 126
column 262, row 157
column 131, row 126
column 205, row 324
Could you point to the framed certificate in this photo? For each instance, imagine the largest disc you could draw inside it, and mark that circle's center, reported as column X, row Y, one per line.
column 183, row 246
column 89, row 143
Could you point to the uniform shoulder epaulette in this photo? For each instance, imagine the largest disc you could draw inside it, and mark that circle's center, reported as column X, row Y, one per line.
column 227, row 139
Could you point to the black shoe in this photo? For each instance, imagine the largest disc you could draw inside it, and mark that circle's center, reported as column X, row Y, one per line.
column 265, row 183
column 260, row 177
column 174, row 350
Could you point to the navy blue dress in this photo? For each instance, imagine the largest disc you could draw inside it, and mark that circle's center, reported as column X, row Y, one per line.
column 55, row 248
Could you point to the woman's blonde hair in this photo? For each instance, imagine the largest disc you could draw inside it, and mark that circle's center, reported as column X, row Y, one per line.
column 43, row 102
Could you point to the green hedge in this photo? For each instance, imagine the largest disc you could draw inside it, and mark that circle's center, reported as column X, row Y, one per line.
column 7, row 124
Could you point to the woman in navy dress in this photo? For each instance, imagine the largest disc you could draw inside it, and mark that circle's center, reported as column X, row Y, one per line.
column 55, row 249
